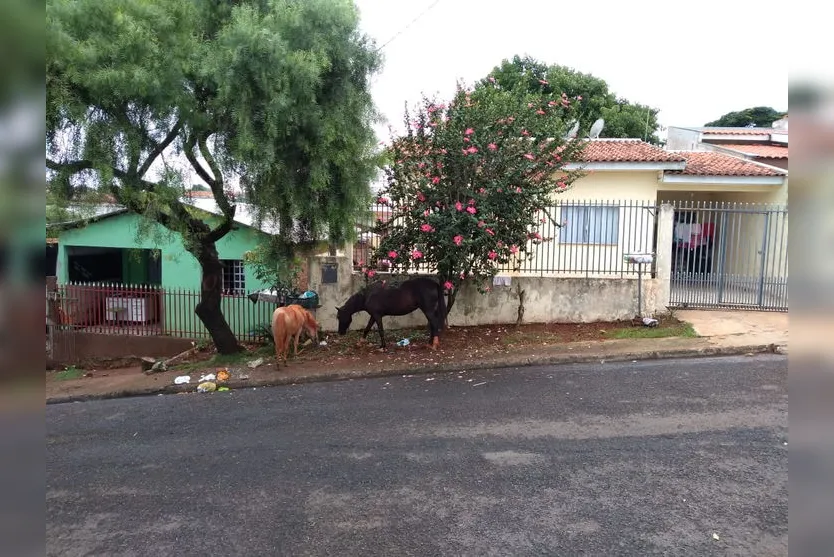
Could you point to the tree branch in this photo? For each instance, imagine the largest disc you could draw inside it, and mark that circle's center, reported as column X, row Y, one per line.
column 217, row 184
column 74, row 166
column 189, row 154
column 152, row 156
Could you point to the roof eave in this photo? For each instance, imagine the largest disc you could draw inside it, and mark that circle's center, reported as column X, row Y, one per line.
column 725, row 180
column 626, row 166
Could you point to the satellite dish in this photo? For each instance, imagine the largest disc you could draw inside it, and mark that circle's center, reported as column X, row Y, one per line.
column 573, row 131
column 596, row 129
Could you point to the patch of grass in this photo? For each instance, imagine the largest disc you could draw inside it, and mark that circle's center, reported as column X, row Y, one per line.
column 679, row 329
column 71, row 372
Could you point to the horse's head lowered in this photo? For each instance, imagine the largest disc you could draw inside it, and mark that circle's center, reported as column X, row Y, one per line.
column 345, row 318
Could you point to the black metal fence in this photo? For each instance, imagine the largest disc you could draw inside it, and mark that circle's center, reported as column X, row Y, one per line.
column 585, row 238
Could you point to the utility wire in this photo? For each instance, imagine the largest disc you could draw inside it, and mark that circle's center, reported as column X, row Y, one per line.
column 413, row 21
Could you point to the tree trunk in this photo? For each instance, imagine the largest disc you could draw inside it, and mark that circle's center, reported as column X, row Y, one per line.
column 208, row 309
column 450, row 302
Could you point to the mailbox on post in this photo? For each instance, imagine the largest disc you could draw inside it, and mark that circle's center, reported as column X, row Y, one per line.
column 641, row 259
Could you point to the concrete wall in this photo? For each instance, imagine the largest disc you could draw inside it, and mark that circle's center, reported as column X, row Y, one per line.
column 546, row 300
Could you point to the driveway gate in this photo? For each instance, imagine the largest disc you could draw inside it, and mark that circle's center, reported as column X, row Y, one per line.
column 730, row 255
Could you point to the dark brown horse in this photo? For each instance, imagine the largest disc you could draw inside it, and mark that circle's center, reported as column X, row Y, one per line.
column 380, row 300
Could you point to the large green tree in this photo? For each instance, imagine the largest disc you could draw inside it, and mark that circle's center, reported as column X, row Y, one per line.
column 273, row 94
column 623, row 118
column 758, row 116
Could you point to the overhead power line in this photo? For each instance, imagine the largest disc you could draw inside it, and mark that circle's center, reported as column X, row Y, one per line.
column 404, row 29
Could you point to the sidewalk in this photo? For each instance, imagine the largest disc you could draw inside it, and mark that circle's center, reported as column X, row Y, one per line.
column 721, row 333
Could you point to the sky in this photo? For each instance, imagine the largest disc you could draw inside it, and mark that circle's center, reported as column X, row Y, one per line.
column 694, row 62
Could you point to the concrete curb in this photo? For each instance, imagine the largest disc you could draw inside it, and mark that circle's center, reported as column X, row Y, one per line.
column 507, row 362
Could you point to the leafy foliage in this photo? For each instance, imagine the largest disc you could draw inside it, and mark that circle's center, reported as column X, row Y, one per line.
column 470, row 182
column 759, row 116
column 273, row 94
column 622, row 118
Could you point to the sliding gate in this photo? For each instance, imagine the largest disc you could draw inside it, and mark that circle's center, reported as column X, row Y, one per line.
column 730, row 255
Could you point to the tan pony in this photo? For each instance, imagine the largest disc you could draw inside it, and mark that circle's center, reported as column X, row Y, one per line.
column 287, row 323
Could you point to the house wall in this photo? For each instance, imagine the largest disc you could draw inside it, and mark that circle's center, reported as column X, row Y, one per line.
column 180, row 270
column 682, row 139
column 635, row 226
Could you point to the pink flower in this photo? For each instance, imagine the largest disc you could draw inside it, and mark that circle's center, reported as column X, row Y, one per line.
column 458, row 240
column 472, row 150
column 471, row 210
column 466, row 139
column 492, row 147
column 513, row 249
column 448, row 285
column 529, row 156
column 551, row 103
column 518, row 190
column 490, row 232
column 543, row 82
column 480, row 224
column 529, row 105
column 511, row 119
column 426, row 213
column 371, row 273
column 491, row 79
column 469, row 131
column 427, row 228
column 392, row 254
column 471, row 202
column 561, row 185
column 579, row 97
column 481, row 190
column 420, row 196
column 443, row 151
column 462, row 276
column 525, row 132
column 540, row 111
column 382, row 201
column 435, row 180
column 416, row 254
column 421, row 165
column 492, row 254
column 459, row 206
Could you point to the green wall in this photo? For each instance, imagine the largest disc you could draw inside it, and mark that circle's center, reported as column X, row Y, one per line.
column 180, row 270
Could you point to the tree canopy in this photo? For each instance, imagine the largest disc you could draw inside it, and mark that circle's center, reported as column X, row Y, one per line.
column 758, row 116
column 471, row 182
column 273, row 94
column 623, row 119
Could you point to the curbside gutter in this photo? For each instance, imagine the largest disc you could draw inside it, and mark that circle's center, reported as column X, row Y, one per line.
column 505, row 362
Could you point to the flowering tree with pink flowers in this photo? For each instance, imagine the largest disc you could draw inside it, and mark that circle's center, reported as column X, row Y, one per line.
column 470, row 184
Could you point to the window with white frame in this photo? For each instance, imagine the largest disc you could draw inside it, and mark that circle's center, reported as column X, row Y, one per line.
column 590, row 224
column 234, row 277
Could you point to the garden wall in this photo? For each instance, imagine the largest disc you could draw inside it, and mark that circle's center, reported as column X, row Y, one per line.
column 544, row 300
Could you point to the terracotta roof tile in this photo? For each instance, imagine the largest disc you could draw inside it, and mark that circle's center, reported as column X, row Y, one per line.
column 626, row 150
column 763, row 151
column 710, row 163
column 739, row 131
column 199, row 194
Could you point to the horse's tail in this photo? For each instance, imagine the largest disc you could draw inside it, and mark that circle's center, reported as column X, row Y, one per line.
column 441, row 306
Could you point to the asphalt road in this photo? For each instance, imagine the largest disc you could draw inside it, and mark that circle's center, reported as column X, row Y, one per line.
column 609, row 459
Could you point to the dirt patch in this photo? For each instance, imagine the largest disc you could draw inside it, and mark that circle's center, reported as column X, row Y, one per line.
column 459, row 345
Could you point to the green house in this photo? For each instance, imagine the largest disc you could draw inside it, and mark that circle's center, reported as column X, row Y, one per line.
column 118, row 267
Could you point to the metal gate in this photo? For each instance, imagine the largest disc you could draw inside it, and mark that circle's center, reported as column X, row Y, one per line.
column 730, row 255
